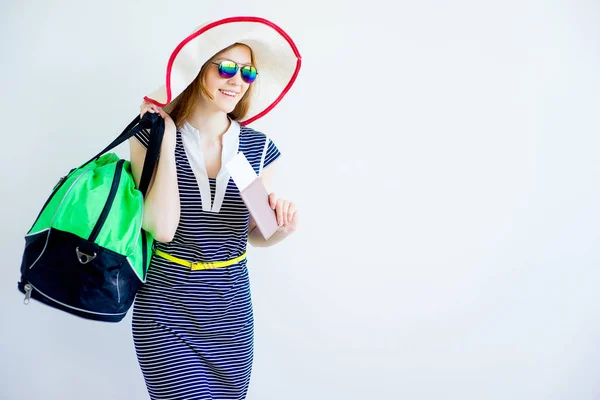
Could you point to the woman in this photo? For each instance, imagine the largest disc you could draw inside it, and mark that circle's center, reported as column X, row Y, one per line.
column 192, row 320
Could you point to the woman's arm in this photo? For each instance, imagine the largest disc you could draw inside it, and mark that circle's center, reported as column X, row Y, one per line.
column 285, row 211
column 161, row 205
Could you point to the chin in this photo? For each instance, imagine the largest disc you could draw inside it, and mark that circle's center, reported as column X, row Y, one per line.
column 226, row 108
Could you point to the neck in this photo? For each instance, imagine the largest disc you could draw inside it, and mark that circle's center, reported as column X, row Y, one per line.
column 211, row 125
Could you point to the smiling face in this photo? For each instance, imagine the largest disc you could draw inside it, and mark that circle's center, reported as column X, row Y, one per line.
column 223, row 94
column 214, row 94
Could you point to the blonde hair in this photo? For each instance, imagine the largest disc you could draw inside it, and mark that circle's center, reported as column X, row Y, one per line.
column 182, row 107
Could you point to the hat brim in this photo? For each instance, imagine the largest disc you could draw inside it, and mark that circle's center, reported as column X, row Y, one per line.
column 276, row 56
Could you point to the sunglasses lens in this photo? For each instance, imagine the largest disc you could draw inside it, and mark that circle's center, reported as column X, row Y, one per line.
column 227, row 69
column 249, row 74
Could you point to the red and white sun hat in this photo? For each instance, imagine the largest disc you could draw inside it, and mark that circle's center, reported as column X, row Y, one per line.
column 276, row 57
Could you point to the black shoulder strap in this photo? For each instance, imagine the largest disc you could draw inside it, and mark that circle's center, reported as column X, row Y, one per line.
column 157, row 131
column 156, row 125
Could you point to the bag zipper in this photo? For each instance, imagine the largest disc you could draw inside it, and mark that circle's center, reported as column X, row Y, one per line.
column 109, row 201
column 118, row 289
column 29, row 288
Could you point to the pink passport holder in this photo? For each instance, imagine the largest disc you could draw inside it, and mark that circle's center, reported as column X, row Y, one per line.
column 254, row 194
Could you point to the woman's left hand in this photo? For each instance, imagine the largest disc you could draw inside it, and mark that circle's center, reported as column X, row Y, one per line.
column 286, row 213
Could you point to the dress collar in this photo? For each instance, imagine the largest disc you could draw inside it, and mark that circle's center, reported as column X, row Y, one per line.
column 190, row 137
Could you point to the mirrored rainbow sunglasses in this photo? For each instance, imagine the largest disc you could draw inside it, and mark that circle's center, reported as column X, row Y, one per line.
column 228, row 69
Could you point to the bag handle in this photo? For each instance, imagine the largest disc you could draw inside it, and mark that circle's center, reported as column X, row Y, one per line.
column 156, row 125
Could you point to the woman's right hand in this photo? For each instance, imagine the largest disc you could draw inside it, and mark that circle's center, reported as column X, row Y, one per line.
column 170, row 129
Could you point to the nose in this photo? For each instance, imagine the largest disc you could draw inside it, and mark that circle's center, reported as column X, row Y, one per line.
column 236, row 79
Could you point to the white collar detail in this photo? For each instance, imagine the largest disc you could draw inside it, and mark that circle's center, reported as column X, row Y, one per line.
column 190, row 137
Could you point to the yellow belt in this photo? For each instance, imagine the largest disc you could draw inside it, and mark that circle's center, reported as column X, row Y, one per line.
column 200, row 265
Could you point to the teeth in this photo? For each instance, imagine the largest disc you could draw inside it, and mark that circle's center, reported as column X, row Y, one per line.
column 228, row 93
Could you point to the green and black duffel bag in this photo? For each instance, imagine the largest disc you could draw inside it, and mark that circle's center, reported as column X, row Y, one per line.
column 86, row 252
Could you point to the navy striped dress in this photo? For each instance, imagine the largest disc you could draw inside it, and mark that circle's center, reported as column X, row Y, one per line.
column 193, row 330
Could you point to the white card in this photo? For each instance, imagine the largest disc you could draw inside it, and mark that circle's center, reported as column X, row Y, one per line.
column 241, row 171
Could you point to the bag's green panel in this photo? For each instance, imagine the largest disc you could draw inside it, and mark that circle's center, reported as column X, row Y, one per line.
column 136, row 258
column 124, row 223
column 46, row 215
column 70, row 188
column 77, row 204
column 84, row 203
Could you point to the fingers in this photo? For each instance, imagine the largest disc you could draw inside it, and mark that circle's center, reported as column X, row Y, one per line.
column 162, row 113
column 291, row 215
column 147, row 107
column 285, row 211
column 279, row 212
column 272, row 200
column 152, row 108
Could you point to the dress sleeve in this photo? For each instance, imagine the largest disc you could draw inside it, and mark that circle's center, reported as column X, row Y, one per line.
column 143, row 137
column 272, row 153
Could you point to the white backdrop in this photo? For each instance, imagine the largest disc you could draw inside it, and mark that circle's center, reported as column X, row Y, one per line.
column 444, row 156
